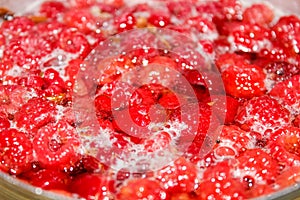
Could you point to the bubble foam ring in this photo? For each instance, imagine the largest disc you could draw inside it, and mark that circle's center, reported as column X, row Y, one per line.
column 95, row 71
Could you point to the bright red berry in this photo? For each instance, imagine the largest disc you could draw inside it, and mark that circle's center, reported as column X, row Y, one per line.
column 91, row 186
column 81, row 19
column 258, row 14
column 142, row 189
column 288, row 93
column 15, row 151
column 179, row 176
column 231, row 142
column 244, row 81
column 36, row 113
column 220, row 189
column 258, row 165
column 55, row 145
column 252, row 117
column 284, row 146
column 50, row 179
column 72, row 41
column 52, row 9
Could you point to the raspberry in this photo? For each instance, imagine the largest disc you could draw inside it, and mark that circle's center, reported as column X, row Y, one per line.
column 159, row 141
column 281, row 71
column 180, row 9
column 226, row 60
column 284, row 146
column 53, row 83
column 72, row 41
column 125, row 22
column 258, row 165
column 159, row 19
column 287, row 32
column 50, row 179
column 81, row 19
column 220, row 189
column 232, row 142
column 36, row 113
column 248, row 37
column 16, row 151
column 14, row 97
column 52, row 9
column 142, row 189
column 28, row 50
column 55, row 145
column 288, row 93
column 113, row 68
column 244, row 81
column 16, row 27
column 221, row 171
column 91, row 186
column 258, row 14
column 252, row 117
column 179, row 176
column 202, row 25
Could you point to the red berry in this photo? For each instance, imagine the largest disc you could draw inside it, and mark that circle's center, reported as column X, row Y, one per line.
column 231, row 142
column 82, row 19
column 27, row 51
column 125, row 22
column 287, row 32
column 159, row 19
column 285, row 146
column 36, row 113
column 52, row 9
column 49, row 179
column 220, row 189
column 248, row 37
column 142, row 189
column 112, row 68
column 91, row 186
column 55, row 145
column 72, row 41
column 12, row 98
column 244, row 81
column 16, row 27
column 15, row 151
column 281, row 71
column 180, row 9
column 288, row 93
column 202, row 25
column 258, row 165
column 159, row 141
column 179, row 176
column 226, row 60
column 252, row 117
column 258, row 14
column 221, row 171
